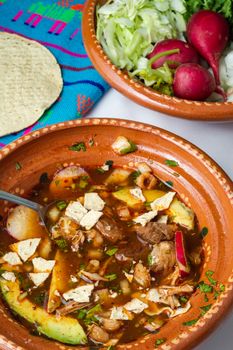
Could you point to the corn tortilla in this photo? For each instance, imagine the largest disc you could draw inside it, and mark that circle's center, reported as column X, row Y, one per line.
column 30, row 82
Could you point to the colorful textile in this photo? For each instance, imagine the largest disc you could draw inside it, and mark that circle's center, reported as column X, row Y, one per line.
column 56, row 25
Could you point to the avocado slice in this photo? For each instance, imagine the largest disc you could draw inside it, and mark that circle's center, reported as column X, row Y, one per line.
column 65, row 329
column 178, row 211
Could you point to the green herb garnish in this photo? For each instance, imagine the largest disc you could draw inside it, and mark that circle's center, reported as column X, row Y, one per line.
column 159, row 341
column 89, row 321
column 95, row 309
column 206, row 299
column 82, row 266
column 204, row 232
column 204, row 287
column 191, row 322
column 135, row 174
column 18, row 166
column 171, row 162
column 61, row 205
column 209, row 275
column 100, row 170
column 40, row 298
column 111, row 276
column 183, row 299
column 111, row 251
column 221, row 287
column 169, row 183
column 77, row 147
column 109, row 163
column 84, row 181
column 81, row 314
column 62, row 244
column 129, row 149
column 150, row 259
column 216, row 294
column 205, row 309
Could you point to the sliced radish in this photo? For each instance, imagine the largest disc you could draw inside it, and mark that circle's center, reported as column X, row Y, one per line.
column 23, row 223
column 67, row 178
column 181, row 259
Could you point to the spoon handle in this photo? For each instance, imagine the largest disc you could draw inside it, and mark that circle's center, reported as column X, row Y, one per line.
column 19, row 200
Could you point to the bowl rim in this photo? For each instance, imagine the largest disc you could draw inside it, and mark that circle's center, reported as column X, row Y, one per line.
column 139, row 93
column 226, row 298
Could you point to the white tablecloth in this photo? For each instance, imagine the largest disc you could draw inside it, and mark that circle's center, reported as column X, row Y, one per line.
column 216, row 139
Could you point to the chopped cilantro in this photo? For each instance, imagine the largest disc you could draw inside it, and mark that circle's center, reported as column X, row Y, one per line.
column 135, row 174
column 111, row 276
column 171, row 162
column 39, row 298
column 25, row 283
column 62, row 244
column 78, row 146
column 44, row 179
column 18, row 166
column 130, row 148
column 209, row 275
column 160, row 341
column 222, row 287
column 83, row 183
column 205, row 288
column 216, row 294
column 183, row 299
column 169, row 183
column 111, row 251
column 89, row 321
column 116, row 289
column 95, row 309
column 191, row 322
column 61, row 205
column 81, row 314
column 100, row 170
column 205, row 309
column 206, row 299
column 204, row 232
column 150, row 259
column 82, row 266
column 91, row 142
column 109, row 162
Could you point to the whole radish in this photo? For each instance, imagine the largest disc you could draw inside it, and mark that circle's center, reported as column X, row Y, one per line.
column 186, row 53
column 208, row 32
column 193, row 82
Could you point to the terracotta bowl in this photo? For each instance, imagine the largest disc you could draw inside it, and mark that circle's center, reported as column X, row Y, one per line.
column 136, row 91
column 198, row 180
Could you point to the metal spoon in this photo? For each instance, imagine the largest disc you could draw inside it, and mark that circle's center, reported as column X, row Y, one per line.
column 40, row 209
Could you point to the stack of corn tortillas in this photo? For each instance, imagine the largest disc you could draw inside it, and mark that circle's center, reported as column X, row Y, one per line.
column 30, row 81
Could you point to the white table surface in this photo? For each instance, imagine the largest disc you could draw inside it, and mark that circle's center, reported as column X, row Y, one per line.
column 216, row 139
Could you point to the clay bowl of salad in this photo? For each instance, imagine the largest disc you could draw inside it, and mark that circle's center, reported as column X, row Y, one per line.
column 137, row 249
column 175, row 57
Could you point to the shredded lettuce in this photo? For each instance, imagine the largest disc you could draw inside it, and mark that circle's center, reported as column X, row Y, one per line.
column 128, row 30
